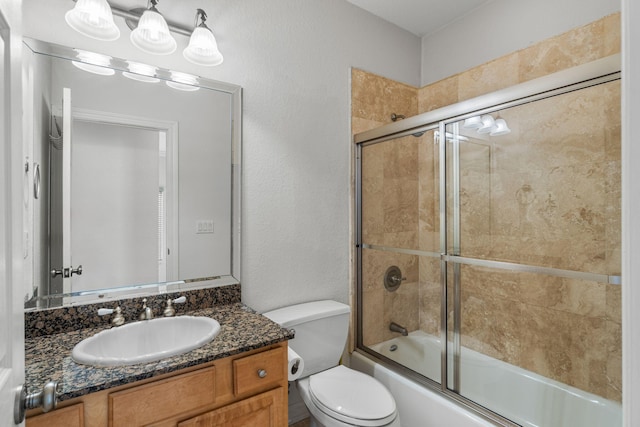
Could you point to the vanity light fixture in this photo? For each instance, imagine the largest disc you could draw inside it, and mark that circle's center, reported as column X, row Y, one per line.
column 203, row 48
column 183, row 81
column 141, row 72
column 94, row 63
column 93, row 18
column 152, row 33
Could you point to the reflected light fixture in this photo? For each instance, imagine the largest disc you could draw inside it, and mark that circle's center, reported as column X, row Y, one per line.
column 183, row 81
column 93, row 18
column 141, row 72
column 94, row 63
column 202, row 48
column 500, row 128
column 152, row 33
column 487, row 124
column 474, row 122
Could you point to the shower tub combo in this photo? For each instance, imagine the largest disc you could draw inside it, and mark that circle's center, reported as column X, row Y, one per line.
column 497, row 221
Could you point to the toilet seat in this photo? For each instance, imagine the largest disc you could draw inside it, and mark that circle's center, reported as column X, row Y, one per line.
column 352, row 397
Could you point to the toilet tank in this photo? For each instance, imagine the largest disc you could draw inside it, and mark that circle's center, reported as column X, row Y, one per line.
column 321, row 329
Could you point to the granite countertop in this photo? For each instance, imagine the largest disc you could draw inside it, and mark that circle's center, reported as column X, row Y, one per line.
column 48, row 357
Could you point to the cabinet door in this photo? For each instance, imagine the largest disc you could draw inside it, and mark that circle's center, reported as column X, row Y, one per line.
column 71, row 416
column 162, row 399
column 264, row 410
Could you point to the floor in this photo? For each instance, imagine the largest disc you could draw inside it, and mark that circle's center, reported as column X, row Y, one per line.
column 303, row 423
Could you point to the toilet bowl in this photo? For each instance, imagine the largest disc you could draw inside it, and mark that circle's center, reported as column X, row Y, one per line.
column 343, row 397
column 335, row 395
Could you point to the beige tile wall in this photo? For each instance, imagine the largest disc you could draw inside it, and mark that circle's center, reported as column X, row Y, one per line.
column 565, row 329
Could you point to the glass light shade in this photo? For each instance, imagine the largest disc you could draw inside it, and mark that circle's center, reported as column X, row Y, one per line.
column 487, row 124
column 152, row 34
column 500, row 128
column 141, row 72
column 94, row 63
column 93, row 18
column 472, row 122
column 203, row 48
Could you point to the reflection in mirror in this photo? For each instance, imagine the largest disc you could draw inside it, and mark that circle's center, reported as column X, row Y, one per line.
column 139, row 171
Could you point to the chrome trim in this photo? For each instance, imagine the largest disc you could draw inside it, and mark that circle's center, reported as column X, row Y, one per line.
column 524, row 268
column 579, row 77
column 401, row 250
column 457, row 318
column 358, row 246
column 502, row 265
column 442, row 176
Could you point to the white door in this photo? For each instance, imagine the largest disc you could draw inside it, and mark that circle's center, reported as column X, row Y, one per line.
column 65, row 267
column 11, row 292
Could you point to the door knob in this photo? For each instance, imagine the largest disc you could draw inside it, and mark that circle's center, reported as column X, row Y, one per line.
column 47, row 399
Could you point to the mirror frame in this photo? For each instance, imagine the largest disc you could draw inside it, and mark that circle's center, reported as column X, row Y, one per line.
column 100, row 295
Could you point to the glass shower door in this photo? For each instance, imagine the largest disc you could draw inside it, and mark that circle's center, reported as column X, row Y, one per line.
column 400, row 285
column 533, row 258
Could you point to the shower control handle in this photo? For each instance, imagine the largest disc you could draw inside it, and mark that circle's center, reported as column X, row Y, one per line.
column 397, row 279
column 393, row 278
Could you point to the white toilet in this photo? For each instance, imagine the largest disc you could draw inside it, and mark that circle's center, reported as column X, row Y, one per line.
column 335, row 395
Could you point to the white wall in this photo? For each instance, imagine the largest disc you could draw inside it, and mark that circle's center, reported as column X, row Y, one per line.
column 293, row 59
column 630, row 212
column 500, row 27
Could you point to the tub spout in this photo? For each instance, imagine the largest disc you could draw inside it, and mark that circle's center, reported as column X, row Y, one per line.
column 394, row 327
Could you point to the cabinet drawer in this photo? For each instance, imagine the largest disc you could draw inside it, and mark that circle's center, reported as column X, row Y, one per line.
column 162, row 399
column 259, row 371
column 71, row 416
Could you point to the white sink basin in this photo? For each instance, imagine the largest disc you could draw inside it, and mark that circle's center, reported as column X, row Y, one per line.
column 145, row 341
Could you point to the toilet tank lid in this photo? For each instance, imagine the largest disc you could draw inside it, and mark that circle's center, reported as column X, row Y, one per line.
column 306, row 312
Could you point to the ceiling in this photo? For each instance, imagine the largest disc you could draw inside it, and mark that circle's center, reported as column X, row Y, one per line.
column 419, row 17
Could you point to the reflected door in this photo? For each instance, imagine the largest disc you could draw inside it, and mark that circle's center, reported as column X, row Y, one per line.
column 112, row 196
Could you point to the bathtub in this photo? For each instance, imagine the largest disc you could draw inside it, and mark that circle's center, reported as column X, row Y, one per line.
column 522, row 396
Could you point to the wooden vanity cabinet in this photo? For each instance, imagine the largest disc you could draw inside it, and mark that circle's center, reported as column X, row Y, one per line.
column 248, row 389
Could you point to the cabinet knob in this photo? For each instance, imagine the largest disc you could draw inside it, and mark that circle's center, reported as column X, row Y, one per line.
column 262, row 373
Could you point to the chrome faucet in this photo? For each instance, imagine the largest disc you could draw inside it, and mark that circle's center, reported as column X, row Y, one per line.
column 394, row 327
column 147, row 313
column 117, row 320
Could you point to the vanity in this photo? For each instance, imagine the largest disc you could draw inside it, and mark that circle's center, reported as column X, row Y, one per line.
column 238, row 379
column 154, row 194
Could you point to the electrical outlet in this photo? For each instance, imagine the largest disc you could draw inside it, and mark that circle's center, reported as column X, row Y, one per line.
column 204, row 226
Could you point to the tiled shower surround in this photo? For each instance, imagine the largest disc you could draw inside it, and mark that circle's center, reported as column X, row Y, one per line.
column 548, row 194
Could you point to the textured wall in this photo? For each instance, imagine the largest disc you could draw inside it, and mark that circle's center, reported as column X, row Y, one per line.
column 547, row 194
column 500, row 27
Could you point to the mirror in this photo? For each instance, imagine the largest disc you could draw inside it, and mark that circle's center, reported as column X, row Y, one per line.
column 133, row 178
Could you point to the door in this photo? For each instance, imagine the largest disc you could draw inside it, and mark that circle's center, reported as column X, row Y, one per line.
column 11, row 302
